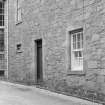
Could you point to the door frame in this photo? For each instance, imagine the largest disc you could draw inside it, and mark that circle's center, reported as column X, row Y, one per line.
column 35, row 61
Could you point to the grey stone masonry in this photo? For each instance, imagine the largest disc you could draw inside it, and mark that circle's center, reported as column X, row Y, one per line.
column 51, row 21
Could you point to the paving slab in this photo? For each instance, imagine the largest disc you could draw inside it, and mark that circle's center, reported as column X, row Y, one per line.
column 16, row 94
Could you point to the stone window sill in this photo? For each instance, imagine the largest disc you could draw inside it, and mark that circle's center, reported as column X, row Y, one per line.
column 17, row 52
column 18, row 22
column 80, row 73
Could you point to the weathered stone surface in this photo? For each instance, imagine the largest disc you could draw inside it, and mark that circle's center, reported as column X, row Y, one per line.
column 49, row 20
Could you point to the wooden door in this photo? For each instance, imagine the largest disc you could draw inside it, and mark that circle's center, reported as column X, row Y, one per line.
column 39, row 61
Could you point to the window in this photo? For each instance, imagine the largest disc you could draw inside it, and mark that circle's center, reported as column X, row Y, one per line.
column 1, row 40
column 1, row 72
column 1, row 13
column 19, row 11
column 1, row 26
column 77, row 50
column 18, row 48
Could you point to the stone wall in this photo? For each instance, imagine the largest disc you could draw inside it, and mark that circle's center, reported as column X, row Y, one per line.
column 51, row 20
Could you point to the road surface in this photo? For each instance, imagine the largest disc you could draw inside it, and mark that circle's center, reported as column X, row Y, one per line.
column 14, row 94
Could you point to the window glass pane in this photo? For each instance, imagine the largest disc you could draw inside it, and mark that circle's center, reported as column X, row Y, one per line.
column 74, row 41
column 1, row 31
column 3, row 20
column 78, row 40
column 0, row 23
column 1, row 56
column 78, row 44
column 1, row 72
column 82, row 39
column 1, row 45
column 1, row 11
column 1, row 40
column 76, row 54
column 74, row 38
column 78, row 37
column 0, row 4
column 80, row 53
column 74, row 45
column 0, row 17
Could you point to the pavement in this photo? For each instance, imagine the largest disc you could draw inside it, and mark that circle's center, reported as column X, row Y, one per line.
column 16, row 94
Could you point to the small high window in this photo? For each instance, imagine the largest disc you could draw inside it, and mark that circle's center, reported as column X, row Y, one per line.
column 19, row 11
column 18, row 47
column 76, row 49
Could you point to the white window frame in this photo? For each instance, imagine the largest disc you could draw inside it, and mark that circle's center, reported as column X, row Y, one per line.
column 76, row 60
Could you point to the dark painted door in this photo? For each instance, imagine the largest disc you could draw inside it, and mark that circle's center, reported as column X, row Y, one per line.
column 39, row 61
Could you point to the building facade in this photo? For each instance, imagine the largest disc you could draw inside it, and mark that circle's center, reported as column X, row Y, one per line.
column 52, row 41
column 3, row 38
